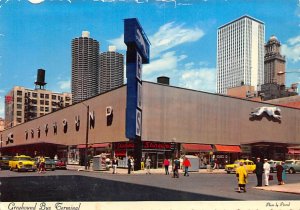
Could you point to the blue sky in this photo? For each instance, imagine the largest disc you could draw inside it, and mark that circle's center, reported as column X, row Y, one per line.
column 182, row 33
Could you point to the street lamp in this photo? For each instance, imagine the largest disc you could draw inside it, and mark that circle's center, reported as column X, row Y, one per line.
column 86, row 136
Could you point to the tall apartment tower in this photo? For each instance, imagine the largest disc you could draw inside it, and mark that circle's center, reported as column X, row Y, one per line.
column 22, row 104
column 111, row 70
column 240, row 54
column 85, row 67
column 274, row 62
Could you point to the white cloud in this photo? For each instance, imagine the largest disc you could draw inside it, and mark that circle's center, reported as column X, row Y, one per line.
column 118, row 42
column 292, row 49
column 166, row 62
column 199, row 79
column 64, row 85
column 170, row 35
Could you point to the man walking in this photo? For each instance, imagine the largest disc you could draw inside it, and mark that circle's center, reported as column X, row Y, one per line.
column 166, row 164
column 129, row 164
column 267, row 171
column 186, row 163
column 115, row 165
column 148, row 165
column 259, row 171
column 176, row 168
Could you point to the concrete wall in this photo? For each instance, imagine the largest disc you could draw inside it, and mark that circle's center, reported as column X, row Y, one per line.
column 196, row 117
column 100, row 133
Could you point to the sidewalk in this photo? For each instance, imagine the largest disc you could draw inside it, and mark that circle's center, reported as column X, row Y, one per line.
column 160, row 171
column 287, row 188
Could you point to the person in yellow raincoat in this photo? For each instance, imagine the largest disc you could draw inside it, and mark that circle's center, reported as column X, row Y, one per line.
column 241, row 174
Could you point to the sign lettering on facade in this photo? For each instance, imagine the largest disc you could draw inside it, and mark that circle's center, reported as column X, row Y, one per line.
column 136, row 55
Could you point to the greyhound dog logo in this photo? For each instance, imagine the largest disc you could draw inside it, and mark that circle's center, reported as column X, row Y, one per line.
column 271, row 111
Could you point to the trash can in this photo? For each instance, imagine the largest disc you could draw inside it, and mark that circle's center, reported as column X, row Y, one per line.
column 209, row 168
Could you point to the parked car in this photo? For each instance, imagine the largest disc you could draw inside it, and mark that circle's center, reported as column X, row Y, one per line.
column 4, row 161
column 249, row 164
column 60, row 164
column 292, row 166
column 273, row 164
column 22, row 163
column 49, row 163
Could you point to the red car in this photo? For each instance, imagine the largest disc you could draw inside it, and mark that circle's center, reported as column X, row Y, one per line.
column 59, row 164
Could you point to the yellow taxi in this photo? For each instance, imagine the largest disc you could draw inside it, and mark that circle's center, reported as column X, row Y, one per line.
column 249, row 165
column 22, row 163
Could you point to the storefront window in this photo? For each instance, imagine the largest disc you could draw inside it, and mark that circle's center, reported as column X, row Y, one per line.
column 73, row 155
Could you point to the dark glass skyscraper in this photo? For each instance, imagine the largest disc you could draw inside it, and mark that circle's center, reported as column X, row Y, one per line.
column 111, row 70
column 85, row 67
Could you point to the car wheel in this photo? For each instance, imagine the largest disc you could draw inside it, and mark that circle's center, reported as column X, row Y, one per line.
column 291, row 171
column 228, row 172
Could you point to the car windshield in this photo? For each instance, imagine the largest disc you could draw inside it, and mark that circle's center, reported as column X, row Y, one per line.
column 25, row 158
column 236, row 162
column 289, row 161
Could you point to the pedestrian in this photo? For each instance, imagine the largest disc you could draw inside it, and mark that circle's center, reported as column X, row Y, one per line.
column 42, row 165
column 38, row 164
column 279, row 170
column 142, row 163
column 216, row 164
column 267, row 171
column 132, row 163
column 129, row 164
column 186, row 164
column 283, row 172
column 55, row 157
column 176, row 168
column 148, row 165
column 259, row 172
column 241, row 175
column 115, row 165
column 166, row 165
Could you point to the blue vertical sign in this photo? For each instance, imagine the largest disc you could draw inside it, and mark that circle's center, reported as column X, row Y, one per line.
column 136, row 55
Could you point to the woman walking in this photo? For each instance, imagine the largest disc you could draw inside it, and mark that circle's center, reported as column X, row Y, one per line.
column 283, row 172
column 166, row 164
column 241, row 174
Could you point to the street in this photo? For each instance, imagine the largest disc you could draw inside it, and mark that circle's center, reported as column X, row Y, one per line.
column 66, row 185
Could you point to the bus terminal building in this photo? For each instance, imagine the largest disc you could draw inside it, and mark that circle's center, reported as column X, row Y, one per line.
column 196, row 122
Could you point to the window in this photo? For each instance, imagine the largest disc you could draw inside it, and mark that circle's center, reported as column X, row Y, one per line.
column 53, row 97
column 42, row 102
column 34, row 95
column 46, row 109
column 19, row 106
column 42, row 95
column 47, row 96
column 47, row 102
column 41, row 108
column 19, row 92
column 19, row 99
column 19, row 113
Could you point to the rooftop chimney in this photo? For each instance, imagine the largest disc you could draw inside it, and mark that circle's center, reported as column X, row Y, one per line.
column 163, row 80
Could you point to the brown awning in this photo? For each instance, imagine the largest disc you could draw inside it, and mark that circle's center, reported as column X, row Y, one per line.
column 82, row 146
column 293, row 151
column 197, row 147
column 102, row 145
column 227, row 148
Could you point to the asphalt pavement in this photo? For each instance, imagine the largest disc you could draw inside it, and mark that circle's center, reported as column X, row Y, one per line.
column 67, row 185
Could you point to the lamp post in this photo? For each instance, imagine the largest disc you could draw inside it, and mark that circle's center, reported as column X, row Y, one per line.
column 86, row 137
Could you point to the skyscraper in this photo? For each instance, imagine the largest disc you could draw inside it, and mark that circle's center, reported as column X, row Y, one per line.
column 240, row 54
column 111, row 70
column 85, row 67
column 274, row 62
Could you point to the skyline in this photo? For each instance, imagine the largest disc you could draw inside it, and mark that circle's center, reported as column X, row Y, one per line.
column 174, row 28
